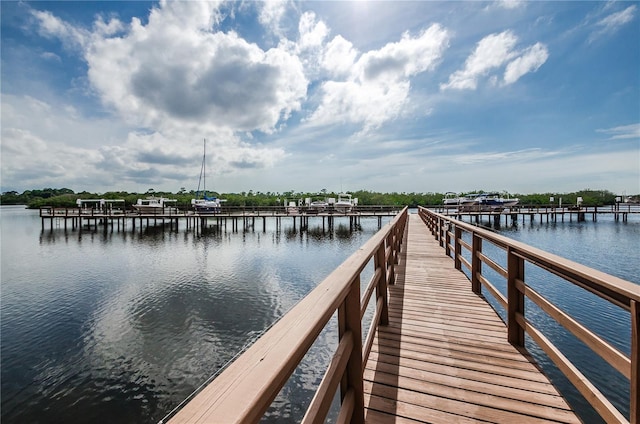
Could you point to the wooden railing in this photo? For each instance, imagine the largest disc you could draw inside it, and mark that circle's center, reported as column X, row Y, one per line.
column 243, row 392
column 624, row 294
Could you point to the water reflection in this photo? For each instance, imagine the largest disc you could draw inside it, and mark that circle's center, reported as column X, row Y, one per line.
column 121, row 325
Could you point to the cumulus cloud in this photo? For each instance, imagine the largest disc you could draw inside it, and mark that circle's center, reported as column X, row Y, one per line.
column 375, row 86
column 178, row 67
column 312, row 31
column 271, row 14
column 339, row 57
column 493, row 52
column 167, row 71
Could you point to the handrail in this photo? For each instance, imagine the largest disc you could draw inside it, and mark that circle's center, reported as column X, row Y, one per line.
column 245, row 389
column 619, row 292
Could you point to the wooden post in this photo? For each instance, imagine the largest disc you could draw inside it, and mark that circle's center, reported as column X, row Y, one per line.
column 353, row 374
column 447, row 239
column 635, row 363
column 457, row 248
column 515, row 299
column 391, row 277
column 379, row 263
column 476, row 263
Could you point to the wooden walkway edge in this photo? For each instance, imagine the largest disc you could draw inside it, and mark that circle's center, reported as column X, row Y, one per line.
column 444, row 357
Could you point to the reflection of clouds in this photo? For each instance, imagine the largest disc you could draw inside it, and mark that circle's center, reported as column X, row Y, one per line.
column 171, row 328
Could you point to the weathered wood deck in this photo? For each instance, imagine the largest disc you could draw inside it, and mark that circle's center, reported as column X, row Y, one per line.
column 444, row 357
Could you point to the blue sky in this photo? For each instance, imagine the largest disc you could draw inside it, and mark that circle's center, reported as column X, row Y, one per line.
column 386, row 96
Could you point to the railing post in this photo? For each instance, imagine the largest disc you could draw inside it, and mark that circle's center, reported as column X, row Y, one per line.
column 351, row 323
column 447, row 239
column 515, row 299
column 457, row 248
column 396, row 244
column 389, row 262
column 476, row 263
column 379, row 262
column 635, row 363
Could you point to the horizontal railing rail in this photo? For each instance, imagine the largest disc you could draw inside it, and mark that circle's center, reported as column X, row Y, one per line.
column 243, row 391
column 624, row 294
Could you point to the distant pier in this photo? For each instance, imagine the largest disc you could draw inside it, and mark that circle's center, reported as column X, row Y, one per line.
column 246, row 217
column 232, row 217
column 620, row 212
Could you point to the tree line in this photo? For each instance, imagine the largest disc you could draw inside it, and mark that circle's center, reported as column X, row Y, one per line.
column 64, row 197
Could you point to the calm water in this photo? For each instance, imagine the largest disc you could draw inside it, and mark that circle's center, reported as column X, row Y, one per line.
column 122, row 326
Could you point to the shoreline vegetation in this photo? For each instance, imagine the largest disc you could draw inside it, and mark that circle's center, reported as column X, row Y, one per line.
column 65, row 197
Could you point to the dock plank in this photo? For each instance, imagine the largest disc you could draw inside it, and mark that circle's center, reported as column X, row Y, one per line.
column 444, row 357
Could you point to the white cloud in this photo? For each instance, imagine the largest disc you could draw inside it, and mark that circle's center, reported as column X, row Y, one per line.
column 47, row 145
column 377, row 87
column 622, row 132
column 28, row 160
column 110, row 28
column 178, row 70
column 312, row 32
column 339, row 57
column 493, row 52
column 509, row 156
column 611, row 23
column 615, row 20
column 51, row 56
column 50, row 26
column 530, row 60
column 510, row 4
column 271, row 14
column 175, row 72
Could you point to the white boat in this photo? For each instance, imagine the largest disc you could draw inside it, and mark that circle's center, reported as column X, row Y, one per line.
column 203, row 203
column 292, row 206
column 152, row 204
column 345, row 203
column 495, row 202
column 453, row 199
column 509, row 201
column 318, row 205
column 450, row 199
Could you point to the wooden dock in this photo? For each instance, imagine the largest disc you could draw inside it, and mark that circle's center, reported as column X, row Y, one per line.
column 233, row 217
column 435, row 351
column 444, row 356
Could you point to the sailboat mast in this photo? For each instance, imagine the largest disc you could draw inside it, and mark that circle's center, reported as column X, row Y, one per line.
column 204, row 166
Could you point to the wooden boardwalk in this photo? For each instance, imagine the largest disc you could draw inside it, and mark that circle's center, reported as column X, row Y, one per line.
column 444, row 357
